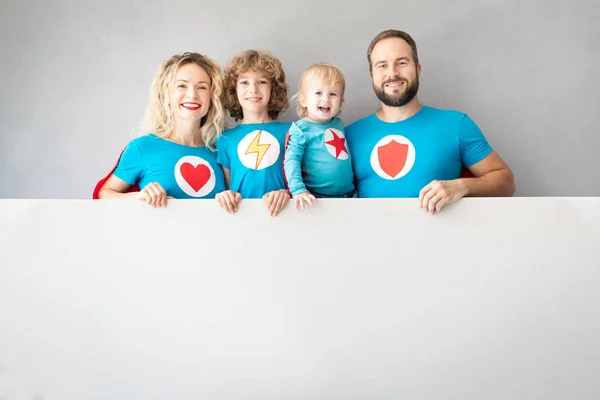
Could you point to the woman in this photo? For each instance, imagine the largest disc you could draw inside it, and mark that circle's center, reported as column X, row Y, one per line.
column 176, row 159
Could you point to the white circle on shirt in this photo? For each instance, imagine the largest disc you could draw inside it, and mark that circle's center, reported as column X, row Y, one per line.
column 393, row 157
column 335, row 143
column 258, row 150
column 195, row 176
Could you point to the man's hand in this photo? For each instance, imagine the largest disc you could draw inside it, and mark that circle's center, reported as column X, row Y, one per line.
column 437, row 194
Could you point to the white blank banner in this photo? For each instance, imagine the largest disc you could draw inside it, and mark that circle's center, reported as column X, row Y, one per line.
column 351, row 299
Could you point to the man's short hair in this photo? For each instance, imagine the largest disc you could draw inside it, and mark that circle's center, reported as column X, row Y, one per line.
column 392, row 33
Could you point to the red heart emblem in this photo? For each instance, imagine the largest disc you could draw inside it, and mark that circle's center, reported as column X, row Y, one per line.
column 196, row 176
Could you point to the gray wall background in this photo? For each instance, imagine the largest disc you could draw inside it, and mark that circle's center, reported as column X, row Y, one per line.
column 75, row 76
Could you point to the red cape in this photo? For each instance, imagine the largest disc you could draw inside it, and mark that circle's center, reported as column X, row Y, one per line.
column 133, row 188
column 285, row 146
column 465, row 173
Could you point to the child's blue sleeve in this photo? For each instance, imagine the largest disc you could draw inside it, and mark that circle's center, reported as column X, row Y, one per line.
column 222, row 156
column 130, row 167
column 292, row 163
column 473, row 145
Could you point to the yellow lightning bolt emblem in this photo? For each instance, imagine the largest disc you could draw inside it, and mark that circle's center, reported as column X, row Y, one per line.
column 259, row 149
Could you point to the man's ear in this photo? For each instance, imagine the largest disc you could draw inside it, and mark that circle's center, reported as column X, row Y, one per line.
column 419, row 70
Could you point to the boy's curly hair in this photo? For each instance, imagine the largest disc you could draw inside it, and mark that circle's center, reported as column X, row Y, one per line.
column 255, row 60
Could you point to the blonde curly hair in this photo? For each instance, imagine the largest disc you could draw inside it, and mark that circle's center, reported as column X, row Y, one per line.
column 255, row 60
column 159, row 116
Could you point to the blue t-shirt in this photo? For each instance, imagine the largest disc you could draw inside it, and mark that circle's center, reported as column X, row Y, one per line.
column 318, row 160
column 398, row 159
column 184, row 172
column 253, row 154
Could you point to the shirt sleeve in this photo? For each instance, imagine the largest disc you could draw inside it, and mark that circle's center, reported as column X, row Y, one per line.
column 222, row 155
column 473, row 145
column 292, row 162
column 130, row 167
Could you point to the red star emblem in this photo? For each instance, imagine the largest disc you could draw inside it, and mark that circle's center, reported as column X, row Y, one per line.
column 338, row 142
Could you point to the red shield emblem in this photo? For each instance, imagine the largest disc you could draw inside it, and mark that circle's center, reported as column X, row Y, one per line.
column 392, row 157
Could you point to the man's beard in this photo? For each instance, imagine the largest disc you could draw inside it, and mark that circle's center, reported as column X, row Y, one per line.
column 394, row 100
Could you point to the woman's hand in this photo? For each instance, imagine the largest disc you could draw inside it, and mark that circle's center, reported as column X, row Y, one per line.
column 153, row 194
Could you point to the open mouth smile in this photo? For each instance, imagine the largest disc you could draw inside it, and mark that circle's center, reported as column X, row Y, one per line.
column 191, row 106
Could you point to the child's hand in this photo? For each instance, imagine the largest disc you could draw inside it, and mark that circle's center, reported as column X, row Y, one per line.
column 153, row 194
column 302, row 198
column 276, row 201
column 228, row 200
